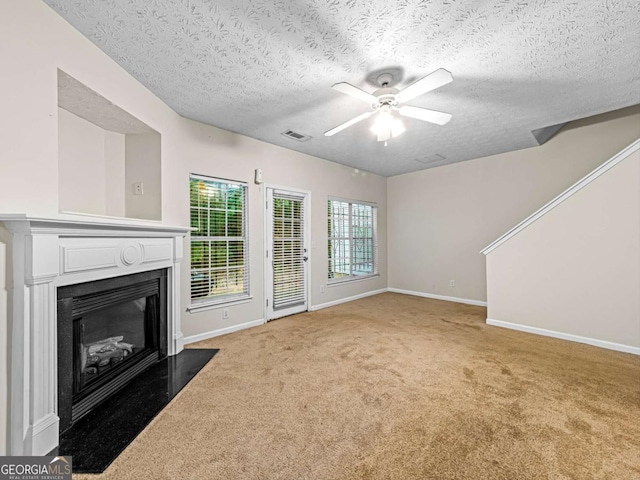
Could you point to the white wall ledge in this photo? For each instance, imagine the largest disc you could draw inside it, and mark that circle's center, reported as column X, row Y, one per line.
column 612, row 162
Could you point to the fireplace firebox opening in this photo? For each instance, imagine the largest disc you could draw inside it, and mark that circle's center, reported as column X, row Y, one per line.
column 109, row 331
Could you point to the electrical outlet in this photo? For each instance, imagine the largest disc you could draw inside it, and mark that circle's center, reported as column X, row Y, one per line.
column 225, row 313
column 321, row 288
column 138, row 188
column 452, row 283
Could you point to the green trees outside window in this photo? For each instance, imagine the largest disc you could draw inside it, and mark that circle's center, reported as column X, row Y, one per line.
column 219, row 261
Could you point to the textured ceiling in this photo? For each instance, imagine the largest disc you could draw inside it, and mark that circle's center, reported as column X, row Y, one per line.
column 261, row 67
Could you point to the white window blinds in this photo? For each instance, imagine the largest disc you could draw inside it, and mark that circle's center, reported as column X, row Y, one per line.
column 219, row 245
column 352, row 246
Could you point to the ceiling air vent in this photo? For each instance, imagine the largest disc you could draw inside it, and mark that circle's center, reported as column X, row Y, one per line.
column 429, row 159
column 296, row 136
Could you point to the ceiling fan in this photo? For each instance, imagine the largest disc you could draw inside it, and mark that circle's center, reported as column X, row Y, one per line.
column 387, row 100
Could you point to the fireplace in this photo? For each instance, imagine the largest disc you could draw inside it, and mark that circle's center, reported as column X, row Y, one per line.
column 108, row 332
column 68, row 258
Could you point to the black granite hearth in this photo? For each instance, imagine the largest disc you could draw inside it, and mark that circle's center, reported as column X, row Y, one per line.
column 97, row 439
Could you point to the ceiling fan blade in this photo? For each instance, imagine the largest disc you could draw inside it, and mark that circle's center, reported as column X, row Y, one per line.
column 432, row 81
column 433, row 116
column 353, row 121
column 352, row 91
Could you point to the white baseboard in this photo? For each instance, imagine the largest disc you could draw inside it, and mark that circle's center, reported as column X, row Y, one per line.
column 221, row 331
column 44, row 435
column 468, row 301
column 565, row 336
column 346, row 299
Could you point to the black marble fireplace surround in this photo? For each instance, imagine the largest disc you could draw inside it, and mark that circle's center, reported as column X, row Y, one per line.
column 99, row 437
column 109, row 331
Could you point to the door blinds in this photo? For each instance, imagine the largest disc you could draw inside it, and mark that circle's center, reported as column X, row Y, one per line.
column 288, row 251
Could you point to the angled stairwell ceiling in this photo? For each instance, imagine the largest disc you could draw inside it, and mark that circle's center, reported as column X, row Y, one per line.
column 264, row 67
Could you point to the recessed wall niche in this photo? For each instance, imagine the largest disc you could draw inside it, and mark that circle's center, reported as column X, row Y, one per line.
column 108, row 160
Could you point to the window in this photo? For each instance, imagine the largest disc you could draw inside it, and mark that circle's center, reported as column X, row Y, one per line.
column 353, row 246
column 219, row 245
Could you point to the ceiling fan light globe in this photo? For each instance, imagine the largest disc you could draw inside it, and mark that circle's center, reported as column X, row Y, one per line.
column 383, row 123
column 398, row 128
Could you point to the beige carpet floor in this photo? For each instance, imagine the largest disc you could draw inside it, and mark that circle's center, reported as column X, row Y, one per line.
column 396, row 387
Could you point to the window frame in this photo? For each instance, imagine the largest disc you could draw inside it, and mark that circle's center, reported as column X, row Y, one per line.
column 374, row 238
column 207, row 302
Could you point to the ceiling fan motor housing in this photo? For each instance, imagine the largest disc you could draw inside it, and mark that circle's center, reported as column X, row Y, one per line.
column 386, row 96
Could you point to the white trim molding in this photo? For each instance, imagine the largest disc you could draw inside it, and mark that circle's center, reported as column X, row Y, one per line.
column 565, row 336
column 468, row 301
column 347, row 299
column 222, row 331
column 612, row 162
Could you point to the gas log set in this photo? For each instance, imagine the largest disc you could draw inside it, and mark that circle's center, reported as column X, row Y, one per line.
column 104, row 354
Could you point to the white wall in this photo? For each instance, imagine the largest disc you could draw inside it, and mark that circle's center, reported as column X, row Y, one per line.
column 114, row 161
column 440, row 219
column 143, row 165
column 211, row 151
column 81, row 162
column 34, row 43
column 97, row 169
column 576, row 270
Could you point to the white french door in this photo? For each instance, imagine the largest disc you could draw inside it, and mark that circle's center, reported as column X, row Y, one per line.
column 287, row 254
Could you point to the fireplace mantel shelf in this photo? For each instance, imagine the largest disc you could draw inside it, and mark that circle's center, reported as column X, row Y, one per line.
column 53, row 252
column 24, row 223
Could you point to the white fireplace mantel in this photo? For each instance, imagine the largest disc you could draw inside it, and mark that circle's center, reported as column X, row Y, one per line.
column 52, row 252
